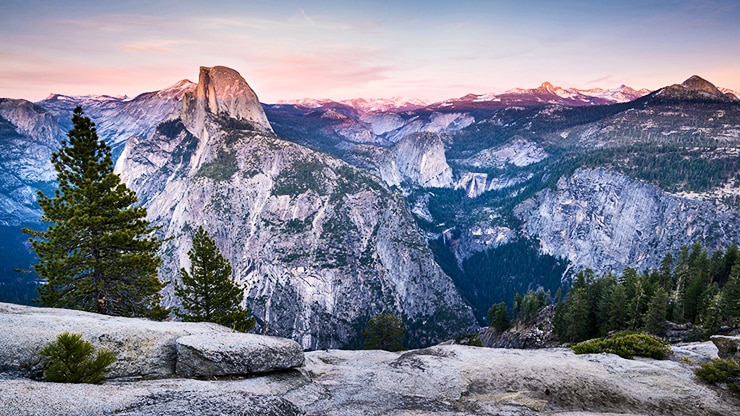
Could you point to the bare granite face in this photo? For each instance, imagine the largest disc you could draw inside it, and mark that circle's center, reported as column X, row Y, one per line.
column 601, row 219
column 320, row 245
column 144, row 349
column 215, row 355
column 444, row 380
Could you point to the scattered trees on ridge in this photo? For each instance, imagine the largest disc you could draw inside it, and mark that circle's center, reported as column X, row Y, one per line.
column 695, row 288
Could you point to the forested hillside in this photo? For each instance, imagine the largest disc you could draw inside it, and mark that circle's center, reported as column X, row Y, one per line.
column 689, row 288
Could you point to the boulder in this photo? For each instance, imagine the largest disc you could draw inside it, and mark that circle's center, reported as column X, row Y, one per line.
column 523, row 335
column 727, row 346
column 212, row 355
column 693, row 352
column 144, row 349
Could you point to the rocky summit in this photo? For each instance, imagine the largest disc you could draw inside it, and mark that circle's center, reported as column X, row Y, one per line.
column 441, row 380
column 320, row 245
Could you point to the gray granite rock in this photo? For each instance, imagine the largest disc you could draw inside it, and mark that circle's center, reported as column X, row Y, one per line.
column 449, row 380
column 213, row 355
column 211, row 403
column 144, row 349
column 693, row 352
column 727, row 346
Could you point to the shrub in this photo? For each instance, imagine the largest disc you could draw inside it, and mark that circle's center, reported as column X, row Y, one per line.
column 70, row 360
column 626, row 345
column 721, row 371
column 469, row 339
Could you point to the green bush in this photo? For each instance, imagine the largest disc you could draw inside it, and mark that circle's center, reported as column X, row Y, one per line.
column 626, row 345
column 70, row 360
column 469, row 339
column 721, row 371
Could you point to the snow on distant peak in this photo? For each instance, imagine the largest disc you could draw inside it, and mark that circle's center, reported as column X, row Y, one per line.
column 362, row 105
column 384, row 104
column 91, row 97
column 620, row 94
column 306, row 102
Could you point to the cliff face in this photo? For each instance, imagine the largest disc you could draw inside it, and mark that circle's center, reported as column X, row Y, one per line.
column 29, row 135
column 604, row 220
column 419, row 159
column 320, row 245
column 223, row 93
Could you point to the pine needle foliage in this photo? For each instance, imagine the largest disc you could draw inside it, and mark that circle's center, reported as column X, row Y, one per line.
column 626, row 345
column 70, row 359
column 208, row 292
column 384, row 332
column 498, row 317
column 720, row 371
column 99, row 253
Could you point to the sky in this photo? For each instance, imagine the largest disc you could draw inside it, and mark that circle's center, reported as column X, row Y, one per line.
column 429, row 49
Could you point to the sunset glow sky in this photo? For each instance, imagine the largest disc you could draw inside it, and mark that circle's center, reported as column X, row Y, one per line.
column 340, row 49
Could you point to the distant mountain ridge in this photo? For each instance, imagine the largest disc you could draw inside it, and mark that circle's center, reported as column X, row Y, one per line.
column 313, row 193
column 546, row 93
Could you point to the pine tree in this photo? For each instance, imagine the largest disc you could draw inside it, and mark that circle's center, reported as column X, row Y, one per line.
column 98, row 253
column 384, row 332
column 731, row 257
column 656, row 313
column 516, row 309
column 666, row 271
column 730, row 298
column 693, row 299
column 208, row 292
column 577, row 316
column 498, row 317
column 712, row 322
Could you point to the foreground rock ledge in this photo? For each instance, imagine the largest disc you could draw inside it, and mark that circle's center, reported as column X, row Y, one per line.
column 450, row 380
column 144, row 349
column 212, row 355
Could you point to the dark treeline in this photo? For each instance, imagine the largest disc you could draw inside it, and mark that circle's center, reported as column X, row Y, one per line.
column 497, row 274
column 692, row 287
column 671, row 167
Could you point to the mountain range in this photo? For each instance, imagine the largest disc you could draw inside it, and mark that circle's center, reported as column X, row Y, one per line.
column 334, row 211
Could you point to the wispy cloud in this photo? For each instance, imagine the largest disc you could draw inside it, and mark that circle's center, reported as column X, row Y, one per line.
column 306, row 17
column 599, row 81
column 155, row 45
column 293, row 49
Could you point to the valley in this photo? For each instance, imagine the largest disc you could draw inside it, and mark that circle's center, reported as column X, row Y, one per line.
column 332, row 212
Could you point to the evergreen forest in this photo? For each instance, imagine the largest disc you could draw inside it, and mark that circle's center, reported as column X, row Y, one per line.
column 691, row 290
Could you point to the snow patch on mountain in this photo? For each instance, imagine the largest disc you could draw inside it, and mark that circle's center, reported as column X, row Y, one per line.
column 363, row 105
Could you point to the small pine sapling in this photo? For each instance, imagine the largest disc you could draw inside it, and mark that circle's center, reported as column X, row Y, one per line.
column 70, row 359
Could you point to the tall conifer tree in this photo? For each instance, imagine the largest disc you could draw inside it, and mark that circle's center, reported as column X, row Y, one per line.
column 384, row 332
column 98, row 253
column 208, row 293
